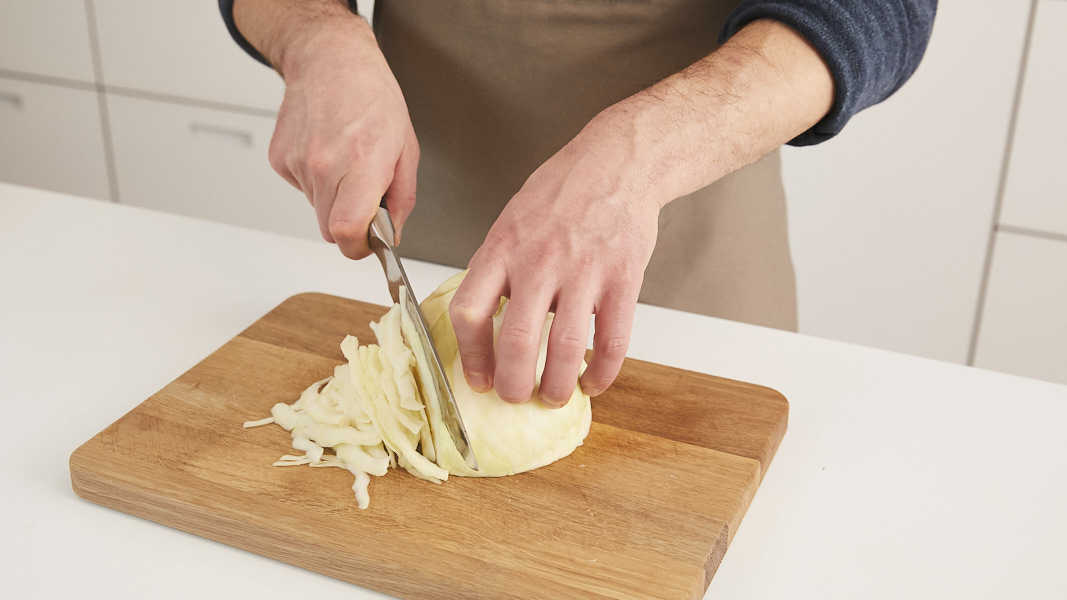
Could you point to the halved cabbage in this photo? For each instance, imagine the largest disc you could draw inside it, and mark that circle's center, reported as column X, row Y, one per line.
column 375, row 411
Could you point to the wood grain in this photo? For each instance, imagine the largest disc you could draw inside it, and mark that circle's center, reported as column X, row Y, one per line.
column 645, row 509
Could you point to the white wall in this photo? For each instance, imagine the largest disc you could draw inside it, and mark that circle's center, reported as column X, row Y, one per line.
column 891, row 220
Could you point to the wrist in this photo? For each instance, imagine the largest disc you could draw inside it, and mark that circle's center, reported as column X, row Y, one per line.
column 653, row 142
column 289, row 34
column 765, row 86
column 611, row 158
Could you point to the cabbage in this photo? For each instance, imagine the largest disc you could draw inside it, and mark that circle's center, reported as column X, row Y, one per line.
column 375, row 411
column 506, row 438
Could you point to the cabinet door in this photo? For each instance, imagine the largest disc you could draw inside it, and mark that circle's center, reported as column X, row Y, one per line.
column 46, row 38
column 1024, row 324
column 204, row 163
column 180, row 49
column 51, row 138
column 1035, row 195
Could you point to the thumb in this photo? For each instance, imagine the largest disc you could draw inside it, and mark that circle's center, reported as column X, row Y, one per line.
column 351, row 214
column 400, row 197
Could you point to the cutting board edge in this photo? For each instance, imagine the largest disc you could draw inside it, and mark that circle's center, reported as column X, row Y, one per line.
column 774, row 441
column 110, row 490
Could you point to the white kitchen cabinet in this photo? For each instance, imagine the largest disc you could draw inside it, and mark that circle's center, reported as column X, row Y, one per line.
column 51, row 138
column 204, row 163
column 180, row 49
column 1035, row 195
column 46, row 38
column 1023, row 329
column 890, row 221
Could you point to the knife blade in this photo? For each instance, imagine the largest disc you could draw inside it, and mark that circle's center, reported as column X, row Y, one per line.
column 380, row 237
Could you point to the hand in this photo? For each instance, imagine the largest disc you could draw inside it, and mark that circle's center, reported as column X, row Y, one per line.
column 574, row 240
column 343, row 134
column 578, row 235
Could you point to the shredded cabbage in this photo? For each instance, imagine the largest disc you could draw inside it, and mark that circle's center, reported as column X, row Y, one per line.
column 375, row 413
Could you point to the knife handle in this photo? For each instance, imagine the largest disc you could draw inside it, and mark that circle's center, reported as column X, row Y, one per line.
column 381, row 232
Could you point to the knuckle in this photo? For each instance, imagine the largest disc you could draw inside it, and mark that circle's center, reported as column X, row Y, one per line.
column 570, row 342
column 319, row 161
column 276, row 156
column 344, row 230
column 405, row 202
column 505, row 238
column 586, row 262
column 613, row 346
column 518, row 340
column 462, row 311
column 543, row 259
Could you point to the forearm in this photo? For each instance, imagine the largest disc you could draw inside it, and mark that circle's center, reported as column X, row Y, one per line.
column 276, row 27
column 762, row 88
column 871, row 46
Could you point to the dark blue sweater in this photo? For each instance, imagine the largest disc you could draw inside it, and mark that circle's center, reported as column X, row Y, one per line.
column 871, row 46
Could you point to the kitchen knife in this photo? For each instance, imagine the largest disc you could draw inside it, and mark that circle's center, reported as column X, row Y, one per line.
column 380, row 237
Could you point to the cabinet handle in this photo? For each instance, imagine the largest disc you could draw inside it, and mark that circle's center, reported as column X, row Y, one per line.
column 241, row 135
column 15, row 100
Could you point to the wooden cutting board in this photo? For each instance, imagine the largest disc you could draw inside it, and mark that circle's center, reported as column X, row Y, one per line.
column 644, row 509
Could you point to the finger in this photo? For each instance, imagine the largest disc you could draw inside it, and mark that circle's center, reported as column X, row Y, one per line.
column 322, row 205
column 400, row 198
column 611, row 338
column 319, row 177
column 471, row 310
column 351, row 213
column 322, row 211
column 278, row 155
column 519, row 341
column 284, row 163
column 567, row 342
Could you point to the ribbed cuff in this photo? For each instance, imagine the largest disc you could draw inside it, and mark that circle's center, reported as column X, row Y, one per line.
column 871, row 47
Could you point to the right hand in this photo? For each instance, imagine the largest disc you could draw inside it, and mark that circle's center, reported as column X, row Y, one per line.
column 343, row 135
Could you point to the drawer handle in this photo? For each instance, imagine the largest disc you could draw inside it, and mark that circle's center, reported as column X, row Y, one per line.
column 241, row 135
column 15, row 100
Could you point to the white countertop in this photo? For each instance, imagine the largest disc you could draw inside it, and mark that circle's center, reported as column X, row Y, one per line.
column 899, row 477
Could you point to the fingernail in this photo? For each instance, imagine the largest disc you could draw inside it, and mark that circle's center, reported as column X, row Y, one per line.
column 590, row 390
column 478, row 382
column 550, row 403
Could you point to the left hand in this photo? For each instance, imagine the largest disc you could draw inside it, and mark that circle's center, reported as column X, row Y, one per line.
column 575, row 240
column 577, row 237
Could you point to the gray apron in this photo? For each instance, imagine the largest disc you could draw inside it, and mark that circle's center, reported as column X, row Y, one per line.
column 496, row 87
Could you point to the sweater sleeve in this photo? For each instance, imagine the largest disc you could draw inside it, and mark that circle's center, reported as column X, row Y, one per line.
column 871, row 46
column 226, row 7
